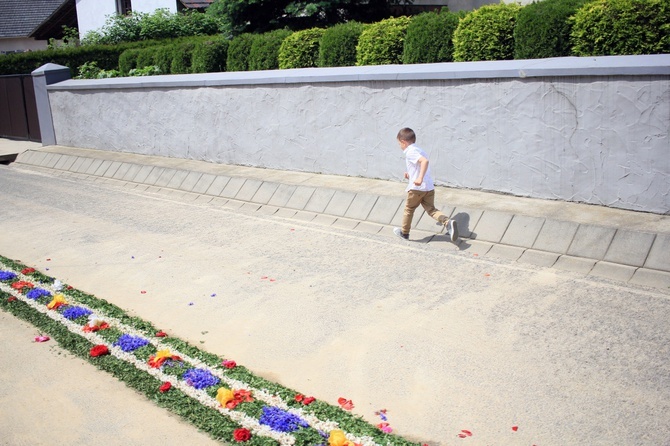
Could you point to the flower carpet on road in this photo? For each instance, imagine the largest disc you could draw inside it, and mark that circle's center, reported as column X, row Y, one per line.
column 215, row 394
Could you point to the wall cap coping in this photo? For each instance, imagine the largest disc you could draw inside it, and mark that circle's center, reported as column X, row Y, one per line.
column 642, row 65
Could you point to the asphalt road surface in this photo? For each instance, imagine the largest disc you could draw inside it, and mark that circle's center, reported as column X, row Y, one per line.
column 440, row 338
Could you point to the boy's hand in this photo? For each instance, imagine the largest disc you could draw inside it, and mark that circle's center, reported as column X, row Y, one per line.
column 418, row 182
column 406, row 176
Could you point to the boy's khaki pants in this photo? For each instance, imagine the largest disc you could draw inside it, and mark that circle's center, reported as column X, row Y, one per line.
column 425, row 199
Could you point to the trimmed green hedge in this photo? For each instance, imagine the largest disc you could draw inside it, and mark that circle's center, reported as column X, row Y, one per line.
column 338, row 45
column 300, row 49
column 543, row 29
column 106, row 57
column 238, row 52
column 160, row 56
column 486, row 33
column 382, row 43
column 264, row 52
column 210, row 55
column 181, row 57
column 618, row 27
column 429, row 37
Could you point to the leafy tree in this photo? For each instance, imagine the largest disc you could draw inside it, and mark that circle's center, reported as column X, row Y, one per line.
column 258, row 16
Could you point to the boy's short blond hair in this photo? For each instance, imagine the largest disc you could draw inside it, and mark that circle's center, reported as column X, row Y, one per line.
column 407, row 134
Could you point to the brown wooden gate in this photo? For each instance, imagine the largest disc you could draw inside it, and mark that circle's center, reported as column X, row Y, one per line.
column 18, row 111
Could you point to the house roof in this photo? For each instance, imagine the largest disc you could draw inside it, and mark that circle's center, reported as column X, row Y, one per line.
column 19, row 18
column 196, row 4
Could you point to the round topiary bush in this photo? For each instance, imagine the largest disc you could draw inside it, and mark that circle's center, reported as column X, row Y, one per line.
column 264, row 52
column 209, row 56
column 382, row 43
column 338, row 45
column 300, row 49
column 486, row 33
column 543, row 29
column 619, row 27
column 238, row 52
column 429, row 37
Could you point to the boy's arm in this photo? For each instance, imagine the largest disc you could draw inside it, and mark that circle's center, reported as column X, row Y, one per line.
column 423, row 167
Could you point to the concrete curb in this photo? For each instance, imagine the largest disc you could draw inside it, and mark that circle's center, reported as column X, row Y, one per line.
column 617, row 253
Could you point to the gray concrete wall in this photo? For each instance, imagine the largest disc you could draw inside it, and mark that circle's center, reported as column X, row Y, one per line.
column 591, row 130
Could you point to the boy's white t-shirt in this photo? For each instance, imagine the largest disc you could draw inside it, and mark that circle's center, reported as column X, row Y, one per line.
column 412, row 155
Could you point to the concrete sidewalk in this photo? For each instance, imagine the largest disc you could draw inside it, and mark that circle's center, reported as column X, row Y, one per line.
column 620, row 245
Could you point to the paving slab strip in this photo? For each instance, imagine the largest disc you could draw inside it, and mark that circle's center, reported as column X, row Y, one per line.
column 641, row 258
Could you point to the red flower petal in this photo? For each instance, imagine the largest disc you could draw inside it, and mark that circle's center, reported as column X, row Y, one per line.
column 468, row 433
column 309, row 400
column 143, row 292
column 165, row 387
column 264, row 277
column 99, row 350
column 462, row 436
column 345, row 403
column 515, row 428
column 42, row 338
column 161, row 334
column 229, row 364
column 241, row 435
column 299, row 397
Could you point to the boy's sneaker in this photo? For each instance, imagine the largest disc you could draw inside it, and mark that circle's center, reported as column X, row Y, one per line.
column 398, row 232
column 453, row 230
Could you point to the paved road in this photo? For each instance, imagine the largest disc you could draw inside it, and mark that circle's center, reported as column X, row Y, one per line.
column 442, row 339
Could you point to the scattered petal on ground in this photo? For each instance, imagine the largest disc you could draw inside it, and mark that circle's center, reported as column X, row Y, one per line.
column 42, row 338
column 345, row 403
column 515, row 428
column 143, row 292
column 464, row 434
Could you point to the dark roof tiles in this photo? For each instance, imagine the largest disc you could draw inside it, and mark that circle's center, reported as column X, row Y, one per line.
column 18, row 18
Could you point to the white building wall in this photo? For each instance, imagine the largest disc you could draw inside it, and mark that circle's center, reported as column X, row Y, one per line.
column 92, row 14
column 11, row 45
column 150, row 6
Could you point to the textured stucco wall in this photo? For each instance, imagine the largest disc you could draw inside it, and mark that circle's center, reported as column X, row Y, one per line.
column 595, row 138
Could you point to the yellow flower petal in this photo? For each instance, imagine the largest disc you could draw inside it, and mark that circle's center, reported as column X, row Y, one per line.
column 58, row 299
column 337, row 438
column 162, row 354
column 224, row 395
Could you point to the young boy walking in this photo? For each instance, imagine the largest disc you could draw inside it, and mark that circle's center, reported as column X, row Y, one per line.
column 420, row 190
